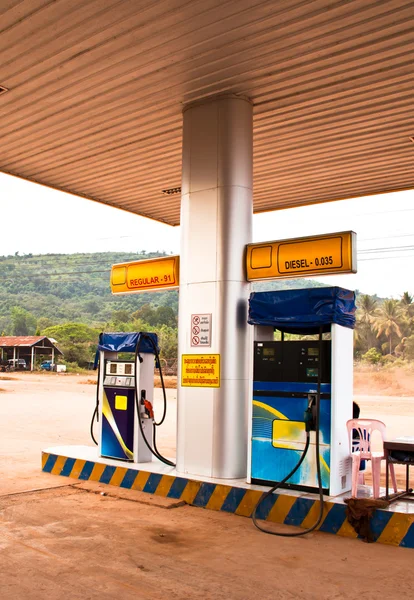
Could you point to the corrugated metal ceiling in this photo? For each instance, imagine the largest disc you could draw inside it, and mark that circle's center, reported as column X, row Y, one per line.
column 96, row 90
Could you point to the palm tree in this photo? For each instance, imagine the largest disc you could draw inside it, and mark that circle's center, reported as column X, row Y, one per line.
column 366, row 313
column 407, row 304
column 367, row 306
column 389, row 320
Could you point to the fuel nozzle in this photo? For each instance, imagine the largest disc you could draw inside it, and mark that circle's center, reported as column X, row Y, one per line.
column 146, row 407
column 310, row 413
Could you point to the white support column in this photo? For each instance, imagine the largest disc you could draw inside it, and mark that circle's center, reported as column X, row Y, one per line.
column 53, row 356
column 14, row 355
column 32, row 359
column 216, row 224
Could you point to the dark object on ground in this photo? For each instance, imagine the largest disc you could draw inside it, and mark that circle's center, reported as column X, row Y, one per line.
column 359, row 512
column 356, row 411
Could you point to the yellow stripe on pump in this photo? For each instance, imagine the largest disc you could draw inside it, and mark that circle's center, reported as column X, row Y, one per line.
column 269, row 409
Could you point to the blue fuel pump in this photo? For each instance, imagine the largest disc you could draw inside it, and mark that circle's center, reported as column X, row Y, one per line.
column 302, row 392
column 124, row 397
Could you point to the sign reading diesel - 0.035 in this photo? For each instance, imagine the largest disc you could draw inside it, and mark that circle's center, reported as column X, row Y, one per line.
column 143, row 275
column 302, row 257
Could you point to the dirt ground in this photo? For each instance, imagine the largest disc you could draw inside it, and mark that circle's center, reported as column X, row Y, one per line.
column 67, row 541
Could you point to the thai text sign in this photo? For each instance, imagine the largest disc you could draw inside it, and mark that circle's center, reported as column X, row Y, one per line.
column 302, row 257
column 144, row 275
column 201, row 330
column 200, row 370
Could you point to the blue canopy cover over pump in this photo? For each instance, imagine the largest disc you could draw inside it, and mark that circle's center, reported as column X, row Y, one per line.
column 127, row 342
column 303, row 311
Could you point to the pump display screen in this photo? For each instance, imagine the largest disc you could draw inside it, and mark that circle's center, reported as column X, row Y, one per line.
column 113, row 368
column 292, row 361
column 128, row 369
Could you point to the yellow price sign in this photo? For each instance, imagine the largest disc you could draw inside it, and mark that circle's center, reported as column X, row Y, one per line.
column 302, row 257
column 200, row 370
column 144, row 275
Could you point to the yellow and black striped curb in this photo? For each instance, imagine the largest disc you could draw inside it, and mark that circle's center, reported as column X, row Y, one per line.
column 388, row 527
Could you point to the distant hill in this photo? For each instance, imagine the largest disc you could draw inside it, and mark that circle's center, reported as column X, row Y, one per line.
column 60, row 288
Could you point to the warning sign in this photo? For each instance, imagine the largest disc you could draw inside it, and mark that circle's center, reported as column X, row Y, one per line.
column 201, row 330
column 200, row 370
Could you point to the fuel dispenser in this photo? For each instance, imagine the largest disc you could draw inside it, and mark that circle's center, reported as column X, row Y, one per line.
column 302, row 390
column 285, row 390
column 124, row 400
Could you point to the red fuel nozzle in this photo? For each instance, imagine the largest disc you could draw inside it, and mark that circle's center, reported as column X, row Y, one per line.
column 148, row 409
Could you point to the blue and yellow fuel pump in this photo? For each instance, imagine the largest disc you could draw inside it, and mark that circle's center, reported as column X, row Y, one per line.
column 302, row 390
column 124, row 400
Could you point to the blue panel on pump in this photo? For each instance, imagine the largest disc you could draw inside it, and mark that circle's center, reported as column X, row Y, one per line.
column 288, row 376
column 278, row 440
column 118, row 412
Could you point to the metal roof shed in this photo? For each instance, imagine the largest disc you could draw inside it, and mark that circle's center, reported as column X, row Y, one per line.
column 26, row 346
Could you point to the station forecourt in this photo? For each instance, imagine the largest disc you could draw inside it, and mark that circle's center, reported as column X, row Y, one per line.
column 200, row 116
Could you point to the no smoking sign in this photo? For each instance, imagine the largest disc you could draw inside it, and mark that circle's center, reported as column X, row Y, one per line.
column 201, row 330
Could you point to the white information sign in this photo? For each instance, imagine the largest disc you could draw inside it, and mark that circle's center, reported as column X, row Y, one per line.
column 201, row 330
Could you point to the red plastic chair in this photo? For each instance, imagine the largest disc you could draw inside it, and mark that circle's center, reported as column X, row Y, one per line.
column 360, row 448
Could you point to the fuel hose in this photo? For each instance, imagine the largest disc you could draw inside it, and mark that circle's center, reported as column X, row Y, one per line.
column 96, row 410
column 154, row 450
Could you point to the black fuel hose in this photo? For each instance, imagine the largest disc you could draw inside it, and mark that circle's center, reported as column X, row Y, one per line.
column 302, row 458
column 96, row 410
column 153, row 450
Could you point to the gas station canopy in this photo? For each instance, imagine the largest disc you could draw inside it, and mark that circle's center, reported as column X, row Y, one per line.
column 95, row 92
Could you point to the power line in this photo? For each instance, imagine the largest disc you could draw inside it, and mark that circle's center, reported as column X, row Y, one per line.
column 388, row 249
column 33, row 264
column 385, row 258
column 385, row 237
column 54, row 274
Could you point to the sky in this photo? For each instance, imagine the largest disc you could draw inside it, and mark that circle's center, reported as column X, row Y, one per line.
column 38, row 220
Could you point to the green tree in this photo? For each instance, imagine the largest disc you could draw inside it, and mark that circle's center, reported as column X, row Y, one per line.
column 121, row 316
column 4, row 326
column 365, row 318
column 92, row 306
column 168, row 342
column 23, row 322
column 165, row 315
column 367, row 307
column 145, row 313
column 407, row 303
column 43, row 323
column 409, row 348
column 407, row 308
column 77, row 341
column 372, row 356
column 388, row 321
